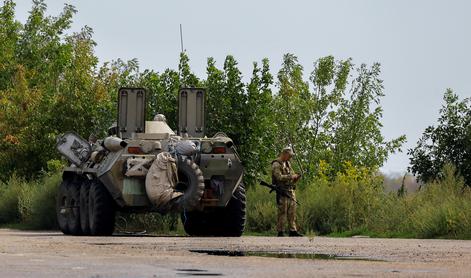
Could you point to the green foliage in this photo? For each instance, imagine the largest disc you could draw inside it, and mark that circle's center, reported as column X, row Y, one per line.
column 31, row 203
column 355, row 203
column 40, row 100
column 259, row 138
column 333, row 122
column 448, row 142
column 9, row 199
column 345, row 203
column 261, row 210
column 225, row 100
column 162, row 91
column 38, row 203
column 50, row 83
column 445, row 208
column 187, row 78
column 48, row 86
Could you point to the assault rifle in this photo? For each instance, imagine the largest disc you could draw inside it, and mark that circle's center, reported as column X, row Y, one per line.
column 278, row 191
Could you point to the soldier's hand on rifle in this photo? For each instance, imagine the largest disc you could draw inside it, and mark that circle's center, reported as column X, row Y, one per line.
column 296, row 177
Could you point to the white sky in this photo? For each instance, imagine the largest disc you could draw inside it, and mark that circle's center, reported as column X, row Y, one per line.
column 423, row 46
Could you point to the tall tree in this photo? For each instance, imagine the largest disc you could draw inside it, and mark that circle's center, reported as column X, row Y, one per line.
column 187, row 77
column 334, row 123
column 217, row 103
column 293, row 103
column 9, row 37
column 236, row 98
column 162, row 91
column 259, row 137
column 49, row 87
column 358, row 138
column 448, row 142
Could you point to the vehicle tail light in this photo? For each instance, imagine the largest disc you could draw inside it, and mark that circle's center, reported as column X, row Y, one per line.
column 220, row 149
column 135, row 150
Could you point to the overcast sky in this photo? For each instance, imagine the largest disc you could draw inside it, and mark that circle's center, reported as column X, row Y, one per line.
column 424, row 46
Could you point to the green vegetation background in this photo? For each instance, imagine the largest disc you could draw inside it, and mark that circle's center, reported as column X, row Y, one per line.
column 51, row 82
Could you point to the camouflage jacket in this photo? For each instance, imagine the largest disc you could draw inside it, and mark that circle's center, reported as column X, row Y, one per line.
column 282, row 174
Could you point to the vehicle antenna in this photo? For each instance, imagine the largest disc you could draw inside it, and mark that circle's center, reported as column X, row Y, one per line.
column 181, row 37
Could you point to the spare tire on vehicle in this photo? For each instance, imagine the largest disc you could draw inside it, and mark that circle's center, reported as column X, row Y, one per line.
column 163, row 190
column 191, row 180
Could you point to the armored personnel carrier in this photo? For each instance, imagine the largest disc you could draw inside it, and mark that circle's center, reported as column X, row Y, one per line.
column 144, row 166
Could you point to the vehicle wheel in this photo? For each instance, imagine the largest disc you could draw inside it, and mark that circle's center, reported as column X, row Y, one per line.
column 73, row 217
column 84, row 216
column 62, row 206
column 234, row 213
column 191, row 179
column 197, row 223
column 101, row 210
column 228, row 221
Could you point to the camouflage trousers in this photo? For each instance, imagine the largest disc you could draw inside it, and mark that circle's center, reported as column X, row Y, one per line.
column 286, row 211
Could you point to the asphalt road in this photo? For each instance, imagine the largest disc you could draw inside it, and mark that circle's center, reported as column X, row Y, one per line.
column 51, row 254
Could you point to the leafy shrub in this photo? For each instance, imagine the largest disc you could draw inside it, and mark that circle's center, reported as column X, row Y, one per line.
column 9, row 198
column 42, row 206
column 444, row 210
column 261, row 210
column 31, row 203
column 355, row 203
column 352, row 203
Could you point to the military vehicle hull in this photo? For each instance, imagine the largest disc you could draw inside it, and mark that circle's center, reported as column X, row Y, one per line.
column 146, row 167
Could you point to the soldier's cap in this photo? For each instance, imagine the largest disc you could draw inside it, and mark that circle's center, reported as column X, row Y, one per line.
column 288, row 150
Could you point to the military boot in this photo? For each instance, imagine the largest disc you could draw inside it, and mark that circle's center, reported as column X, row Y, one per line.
column 294, row 234
column 280, row 234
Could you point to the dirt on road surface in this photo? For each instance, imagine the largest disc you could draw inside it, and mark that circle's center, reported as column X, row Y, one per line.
column 51, row 254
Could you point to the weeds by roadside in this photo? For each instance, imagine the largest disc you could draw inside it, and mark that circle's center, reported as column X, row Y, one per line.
column 29, row 203
column 356, row 204
column 352, row 204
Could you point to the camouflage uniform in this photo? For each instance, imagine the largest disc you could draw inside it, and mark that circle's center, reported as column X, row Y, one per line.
column 282, row 177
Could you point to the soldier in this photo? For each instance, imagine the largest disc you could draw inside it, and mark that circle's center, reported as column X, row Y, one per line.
column 284, row 178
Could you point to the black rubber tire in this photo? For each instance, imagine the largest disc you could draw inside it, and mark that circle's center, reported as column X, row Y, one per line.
column 62, row 204
column 84, row 201
column 190, row 173
column 235, row 213
column 222, row 222
column 101, row 210
column 73, row 218
column 201, row 223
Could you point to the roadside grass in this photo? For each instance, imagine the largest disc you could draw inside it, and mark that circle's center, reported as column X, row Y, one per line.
column 152, row 223
column 29, row 204
column 356, row 204
column 353, row 204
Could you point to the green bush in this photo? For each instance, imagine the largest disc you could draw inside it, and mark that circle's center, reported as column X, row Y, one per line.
column 326, row 206
column 355, row 203
column 9, row 199
column 42, row 207
column 261, row 210
column 443, row 208
column 29, row 203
